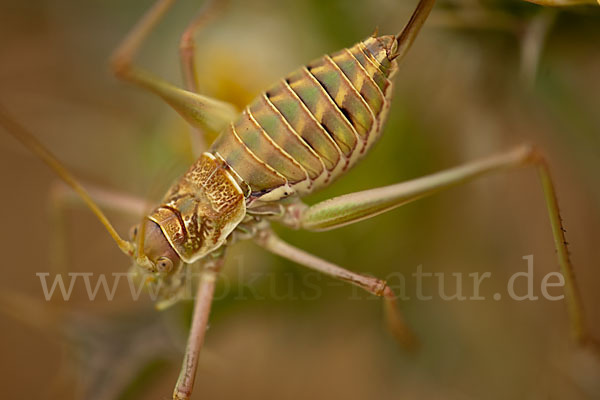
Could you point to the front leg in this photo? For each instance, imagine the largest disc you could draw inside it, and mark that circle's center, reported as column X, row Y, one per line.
column 204, row 297
column 201, row 112
column 63, row 197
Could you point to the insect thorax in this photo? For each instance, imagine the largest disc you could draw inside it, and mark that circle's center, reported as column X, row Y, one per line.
column 201, row 209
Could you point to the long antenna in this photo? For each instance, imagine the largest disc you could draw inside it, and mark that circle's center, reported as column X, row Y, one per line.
column 408, row 35
column 141, row 257
column 29, row 141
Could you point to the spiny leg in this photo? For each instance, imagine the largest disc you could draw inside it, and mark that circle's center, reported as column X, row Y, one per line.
column 378, row 287
column 202, row 112
column 354, row 207
column 204, row 297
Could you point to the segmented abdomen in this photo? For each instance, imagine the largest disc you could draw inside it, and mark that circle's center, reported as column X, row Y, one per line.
column 314, row 124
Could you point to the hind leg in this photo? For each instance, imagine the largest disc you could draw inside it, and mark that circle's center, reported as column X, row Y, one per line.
column 354, row 207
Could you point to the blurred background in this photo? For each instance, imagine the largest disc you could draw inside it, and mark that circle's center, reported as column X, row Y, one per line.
column 483, row 77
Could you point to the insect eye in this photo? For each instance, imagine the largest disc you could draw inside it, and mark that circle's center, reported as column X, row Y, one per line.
column 164, row 264
column 133, row 232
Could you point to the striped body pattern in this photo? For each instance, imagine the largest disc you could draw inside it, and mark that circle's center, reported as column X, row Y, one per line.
column 299, row 135
column 313, row 125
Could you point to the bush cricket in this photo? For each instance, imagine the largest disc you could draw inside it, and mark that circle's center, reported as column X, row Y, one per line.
column 299, row 135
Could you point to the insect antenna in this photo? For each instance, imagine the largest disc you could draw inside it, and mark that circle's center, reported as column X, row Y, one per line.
column 408, row 35
column 141, row 258
column 29, row 141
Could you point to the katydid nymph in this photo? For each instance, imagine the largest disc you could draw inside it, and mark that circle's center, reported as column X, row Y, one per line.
column 299, row 135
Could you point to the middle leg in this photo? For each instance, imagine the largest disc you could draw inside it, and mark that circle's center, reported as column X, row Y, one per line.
column 378, row 287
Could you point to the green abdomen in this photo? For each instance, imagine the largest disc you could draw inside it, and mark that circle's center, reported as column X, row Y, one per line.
column 310, row 127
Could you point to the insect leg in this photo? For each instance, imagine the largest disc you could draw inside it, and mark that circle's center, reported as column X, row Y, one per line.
column 62, row 197
column 562, row 3
column 107, row 198
column 378, row 287
column 51, row 316
column 19, row 132
column 204, row 297
column 187, row 47
column 354, row 207
column 200, row 111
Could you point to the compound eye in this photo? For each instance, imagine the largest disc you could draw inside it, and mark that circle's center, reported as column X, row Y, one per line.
column 133, row 232
column 164, row 264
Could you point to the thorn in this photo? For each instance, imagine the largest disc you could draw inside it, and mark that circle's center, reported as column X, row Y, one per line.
column 375, row 32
